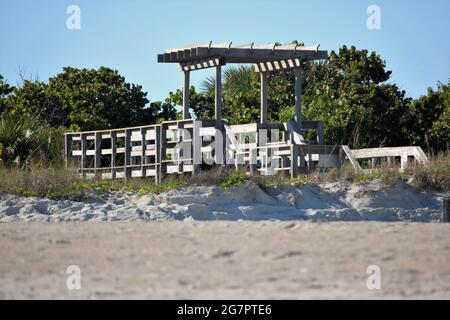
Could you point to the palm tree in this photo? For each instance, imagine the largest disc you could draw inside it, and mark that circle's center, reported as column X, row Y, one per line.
column 235, row 79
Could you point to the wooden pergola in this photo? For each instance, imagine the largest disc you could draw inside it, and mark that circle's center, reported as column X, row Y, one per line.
column 265, row 59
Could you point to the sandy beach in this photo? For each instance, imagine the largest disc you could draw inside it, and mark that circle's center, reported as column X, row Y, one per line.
column 224, row 260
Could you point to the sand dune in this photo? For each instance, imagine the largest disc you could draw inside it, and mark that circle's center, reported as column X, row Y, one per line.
column 326, row 202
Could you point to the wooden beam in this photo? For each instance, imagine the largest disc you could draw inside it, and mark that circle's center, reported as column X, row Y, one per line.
column 278, row 54
column 201, row 64
column 243, row 53
column 276, row 65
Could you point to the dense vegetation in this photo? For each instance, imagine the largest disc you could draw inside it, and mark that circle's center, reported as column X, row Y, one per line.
column 351, row 92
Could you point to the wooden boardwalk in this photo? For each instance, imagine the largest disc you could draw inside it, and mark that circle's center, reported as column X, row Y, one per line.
column 184, row 146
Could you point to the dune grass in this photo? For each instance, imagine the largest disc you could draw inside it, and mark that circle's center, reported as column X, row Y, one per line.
column 61, row 183
column 435, row 174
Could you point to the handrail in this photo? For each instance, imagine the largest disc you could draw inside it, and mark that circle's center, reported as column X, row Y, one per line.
column 351, row 157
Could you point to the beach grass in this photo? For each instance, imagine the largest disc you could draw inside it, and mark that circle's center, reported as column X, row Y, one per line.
column 65, row 183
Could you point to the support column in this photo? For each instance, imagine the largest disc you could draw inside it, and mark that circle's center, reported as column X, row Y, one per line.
column 186, row 114
column 298, row 95
column 218, row 97
column 264, row 89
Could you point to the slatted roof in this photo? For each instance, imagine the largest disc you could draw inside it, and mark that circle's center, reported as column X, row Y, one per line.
column 264, row 57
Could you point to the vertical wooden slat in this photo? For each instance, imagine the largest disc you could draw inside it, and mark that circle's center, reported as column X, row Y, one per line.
column 68, row 148
column 113, row 153
column 403, row 161
column 390, row 162
column 294, row 161
column 253, row 160
column 310, row 160
column 143, row 148
column 158, row 154
column 219, row 147
column 98, row 151
column 196, row 147
column 163, row 151
column 320, row 139
column 83, row 154
column 127, row 161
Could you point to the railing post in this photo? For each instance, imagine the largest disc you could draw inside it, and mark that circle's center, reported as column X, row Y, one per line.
column 83, row 154
column 196, row 147
column 320, row 139
column 67, row 148
column 127, row 160
column 143, row 148
column 403, row 161
column 113, row 153
column 157, row 153
column 98, row 151
column 294, row 161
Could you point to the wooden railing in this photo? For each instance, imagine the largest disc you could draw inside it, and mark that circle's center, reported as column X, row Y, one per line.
column 176, row 147
column 390, row 154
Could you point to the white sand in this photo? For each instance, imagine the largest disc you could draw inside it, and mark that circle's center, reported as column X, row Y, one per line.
column 228, row 259
column 328, row 202
column 225, row 259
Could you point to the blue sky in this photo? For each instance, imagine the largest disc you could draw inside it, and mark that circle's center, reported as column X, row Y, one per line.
column 127, row 35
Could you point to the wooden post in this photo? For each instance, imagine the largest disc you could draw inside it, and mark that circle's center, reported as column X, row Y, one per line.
column 320, row 139
column 98, row 151
column 68, row 148
column 446, row 209
column 113, row 153
column 83, row 154
column 253, row 160
column 163, row 151
column 127, row 161
column 298, row 95
column 157, row 154
column 218, row 97
column 143, row 149
column 301, row 155
column 294, row 161
column 310, row 161
column 403, row 161
column 196, row 147
column 186, row 114
column 264, row 90
column 390, row 162
column 373, row 162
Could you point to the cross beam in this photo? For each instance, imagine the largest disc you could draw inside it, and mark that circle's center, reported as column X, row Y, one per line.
column 276, row 65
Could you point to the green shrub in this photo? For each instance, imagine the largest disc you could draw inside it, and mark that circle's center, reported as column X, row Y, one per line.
column 235, row 178
column 26, row 139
